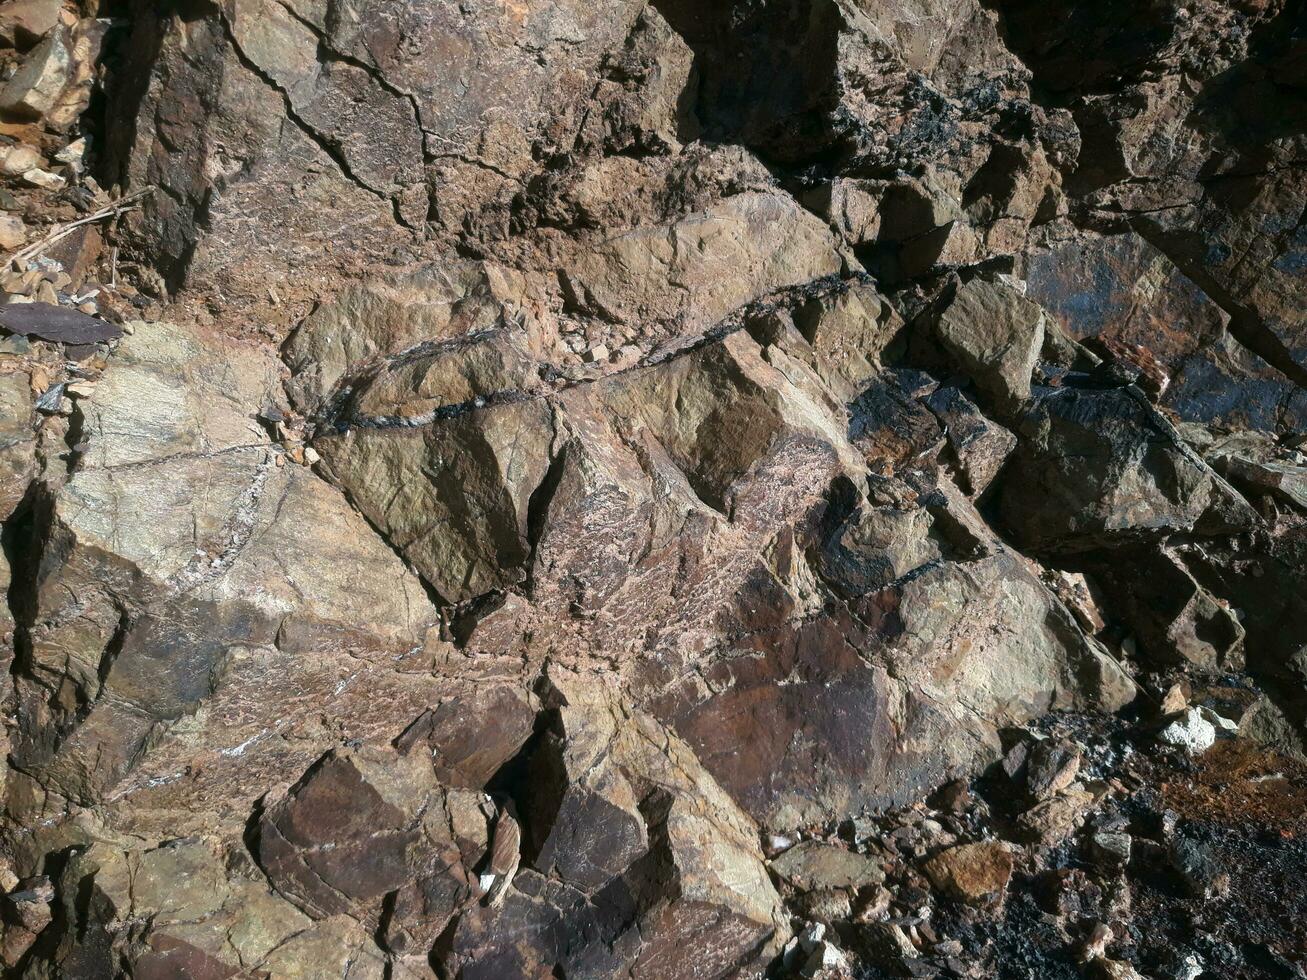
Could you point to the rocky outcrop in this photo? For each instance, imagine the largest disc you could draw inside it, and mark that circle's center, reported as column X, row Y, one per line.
column 524, row 489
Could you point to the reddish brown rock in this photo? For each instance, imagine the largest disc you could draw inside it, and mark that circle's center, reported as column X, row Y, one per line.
column 973, row 873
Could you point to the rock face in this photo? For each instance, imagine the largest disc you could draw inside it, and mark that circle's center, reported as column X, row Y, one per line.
column 662, row 429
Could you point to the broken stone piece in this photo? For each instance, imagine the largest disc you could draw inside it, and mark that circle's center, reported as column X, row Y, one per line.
column 994, row 334
column 1110, row 850
column 13, row 232
column 43, row 179
column 40, row 80
column 18, row 158
column 826, row 962
column 1096, row 943
column 812, row 865
column 1191, row 732
column 972, row 873
column 1056, row 818
column 57, row 324
column 1197, row 867
column 1051, row 767
column 1285, row 481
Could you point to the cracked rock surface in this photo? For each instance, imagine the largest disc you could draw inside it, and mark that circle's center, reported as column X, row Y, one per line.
column 654, row 489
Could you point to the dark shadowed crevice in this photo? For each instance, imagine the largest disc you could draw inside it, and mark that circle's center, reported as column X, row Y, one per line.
column 171, row 223
column 782, row 104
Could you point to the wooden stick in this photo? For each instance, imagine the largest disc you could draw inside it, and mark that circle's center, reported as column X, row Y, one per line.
column 120, row 206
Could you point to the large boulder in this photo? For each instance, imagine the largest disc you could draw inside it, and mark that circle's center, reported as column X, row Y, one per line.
column 1098, row 466
column 187, row 567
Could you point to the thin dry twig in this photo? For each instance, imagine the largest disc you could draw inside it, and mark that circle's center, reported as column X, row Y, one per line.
column 120, row 206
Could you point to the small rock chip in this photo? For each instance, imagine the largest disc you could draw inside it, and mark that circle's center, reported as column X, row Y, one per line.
column 43, row 180
column 1110, row 850
column 858, row 829
column 826, row 961
column 812, row 936
column 73, row 153
column 973, row 873
column 812, row 864
column 1052, row 767
column 23, row 22
column 1191, row 732
column 1220, row 721
column 1073, row 589
column 888, row 945
column 29, row 903
column 1096, row 945
column 953, row 797
column 1196, row 866
column 1014, row 760
column 39, row 81
column 18, row 158
column 1054, row 819
column 1175, row 700
column 13, row 233
column 825, row 905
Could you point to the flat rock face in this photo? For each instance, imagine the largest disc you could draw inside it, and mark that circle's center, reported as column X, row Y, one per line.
column 595, row 441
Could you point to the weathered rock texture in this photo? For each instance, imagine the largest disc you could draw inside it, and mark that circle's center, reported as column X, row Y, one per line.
column 685, row 422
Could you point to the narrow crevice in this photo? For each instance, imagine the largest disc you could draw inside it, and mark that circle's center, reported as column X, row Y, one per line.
column 331, row 149
column 338, row 416
column 538, row 507
column 325, row 47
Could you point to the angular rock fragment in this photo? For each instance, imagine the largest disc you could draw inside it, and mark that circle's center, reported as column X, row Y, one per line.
column 452, row 495
column 22, row 22
column 13, row 232
column 812, row 865
column 848, row 330
column 163, row 599
column 650, row 858
column 202, row 913
column 1122, row 288
column 713, row 257
column 382, row 319
column 1175, row 619
column 992, row 333
column 1051, row 767
column 972, row 873
column 1285, row 481
column 1053, row 820
column 980, row 446
column 56, row 324
column 17, row 440
column 365, row 829
column 473, row 732
column 1190, row 731
column 1100, row 466
column 40, row 80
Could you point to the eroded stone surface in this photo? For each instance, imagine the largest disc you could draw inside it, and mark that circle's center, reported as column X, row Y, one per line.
column 675, row 406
